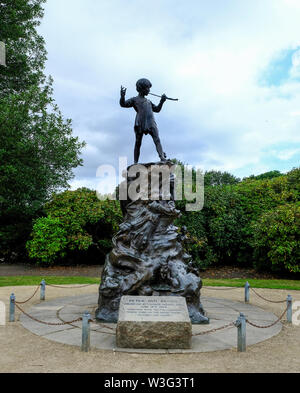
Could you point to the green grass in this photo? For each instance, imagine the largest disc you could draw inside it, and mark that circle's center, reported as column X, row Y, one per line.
column 35, row 280
column 255, row 283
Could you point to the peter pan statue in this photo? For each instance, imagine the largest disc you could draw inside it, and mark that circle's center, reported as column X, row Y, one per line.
column 144, row 123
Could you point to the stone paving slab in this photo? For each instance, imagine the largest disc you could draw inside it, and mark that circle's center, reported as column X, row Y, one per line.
column 220, row 311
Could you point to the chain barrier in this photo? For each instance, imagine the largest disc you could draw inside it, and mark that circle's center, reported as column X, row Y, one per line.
column 55, row 286
column 59, row 323
column 42, row 322
column 102, row 325
column 221, row 289
column 48, row 323
column 73, row 287
column 35, row 292
column 268, row 326
column 90, row 321
column 230, row 325
column 267, row 300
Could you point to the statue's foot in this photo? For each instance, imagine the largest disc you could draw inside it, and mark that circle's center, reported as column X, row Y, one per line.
column 197, row 315
column 163, row 158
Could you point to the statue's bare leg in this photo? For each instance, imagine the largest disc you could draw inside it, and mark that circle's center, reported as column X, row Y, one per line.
column 138, row 144
column 156, row 140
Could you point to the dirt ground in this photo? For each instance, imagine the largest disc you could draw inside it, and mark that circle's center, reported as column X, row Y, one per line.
column 70, row 271
column 95, row 271
column 22, row 351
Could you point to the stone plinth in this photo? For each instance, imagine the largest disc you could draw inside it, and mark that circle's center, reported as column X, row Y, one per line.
column 156, row 322
column 148, row 257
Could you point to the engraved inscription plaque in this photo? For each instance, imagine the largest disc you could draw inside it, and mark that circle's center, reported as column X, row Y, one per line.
column 154, row 322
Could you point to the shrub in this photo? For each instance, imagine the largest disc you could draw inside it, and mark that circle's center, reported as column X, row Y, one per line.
column 276, row 239
column 225, row 221
column 214, row 232
column 223, row 232
column 197, row 243
column 82, row 227
column 49, row 240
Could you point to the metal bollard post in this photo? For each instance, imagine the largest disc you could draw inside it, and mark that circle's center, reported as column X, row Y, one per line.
column 43, row 290
column 241, row 325
column 12, row 308
column 289, row 313
column 85, row 346
column 247, row 292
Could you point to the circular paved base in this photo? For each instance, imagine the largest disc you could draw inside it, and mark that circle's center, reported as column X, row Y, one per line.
column 220, row 311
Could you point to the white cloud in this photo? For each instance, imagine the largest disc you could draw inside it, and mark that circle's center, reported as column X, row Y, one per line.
column 288, row 153
column 295, row 70
column 208, row 54
column 80, row 183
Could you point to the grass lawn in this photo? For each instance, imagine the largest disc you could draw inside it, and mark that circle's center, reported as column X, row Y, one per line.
column 35, row 280
column 255, row 283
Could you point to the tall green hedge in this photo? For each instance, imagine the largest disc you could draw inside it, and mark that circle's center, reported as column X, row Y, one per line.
column 225, row 231
column 254, row 222
column 276, row 239
column 77, row 227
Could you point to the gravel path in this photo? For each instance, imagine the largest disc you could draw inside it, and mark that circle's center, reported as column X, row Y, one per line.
column 22, row 351
column 95, row 271
column 70, row 271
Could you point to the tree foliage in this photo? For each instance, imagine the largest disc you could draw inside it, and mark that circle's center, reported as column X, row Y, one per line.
column 37, row 149
column 266, row 175
column 78, row 226
column 276, row 239
column 218, row 178
column 250, row 223
column 224, row 231
column 25, row 48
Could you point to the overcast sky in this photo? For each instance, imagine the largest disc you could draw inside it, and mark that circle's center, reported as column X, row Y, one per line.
column 233, row 64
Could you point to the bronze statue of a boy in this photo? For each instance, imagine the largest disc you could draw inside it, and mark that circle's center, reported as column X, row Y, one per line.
column 144, row 123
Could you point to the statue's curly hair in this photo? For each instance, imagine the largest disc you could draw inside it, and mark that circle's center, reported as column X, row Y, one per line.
column 142, row 83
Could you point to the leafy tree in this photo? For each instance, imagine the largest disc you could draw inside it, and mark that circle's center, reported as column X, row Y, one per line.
column 266, row 175
column 225, row 221
column 49, row 240
column 37, row 149
column 197, row 244
column 213, row 232
column 78, row 228
column 293, row 181
column 276, row 239
column 25, row 48
column 218, row 178
column 223, row 232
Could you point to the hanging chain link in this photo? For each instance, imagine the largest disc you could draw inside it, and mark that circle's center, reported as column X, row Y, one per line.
column 221, row 289
column 266, row 327
column 30, row 297
column 267, row 300
column 102, row 325
column 229, row 325
column 69, row 287
column 48, row 323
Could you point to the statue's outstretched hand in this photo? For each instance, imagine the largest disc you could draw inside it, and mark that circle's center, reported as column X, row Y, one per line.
column 123, row 91
column 163, row 98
